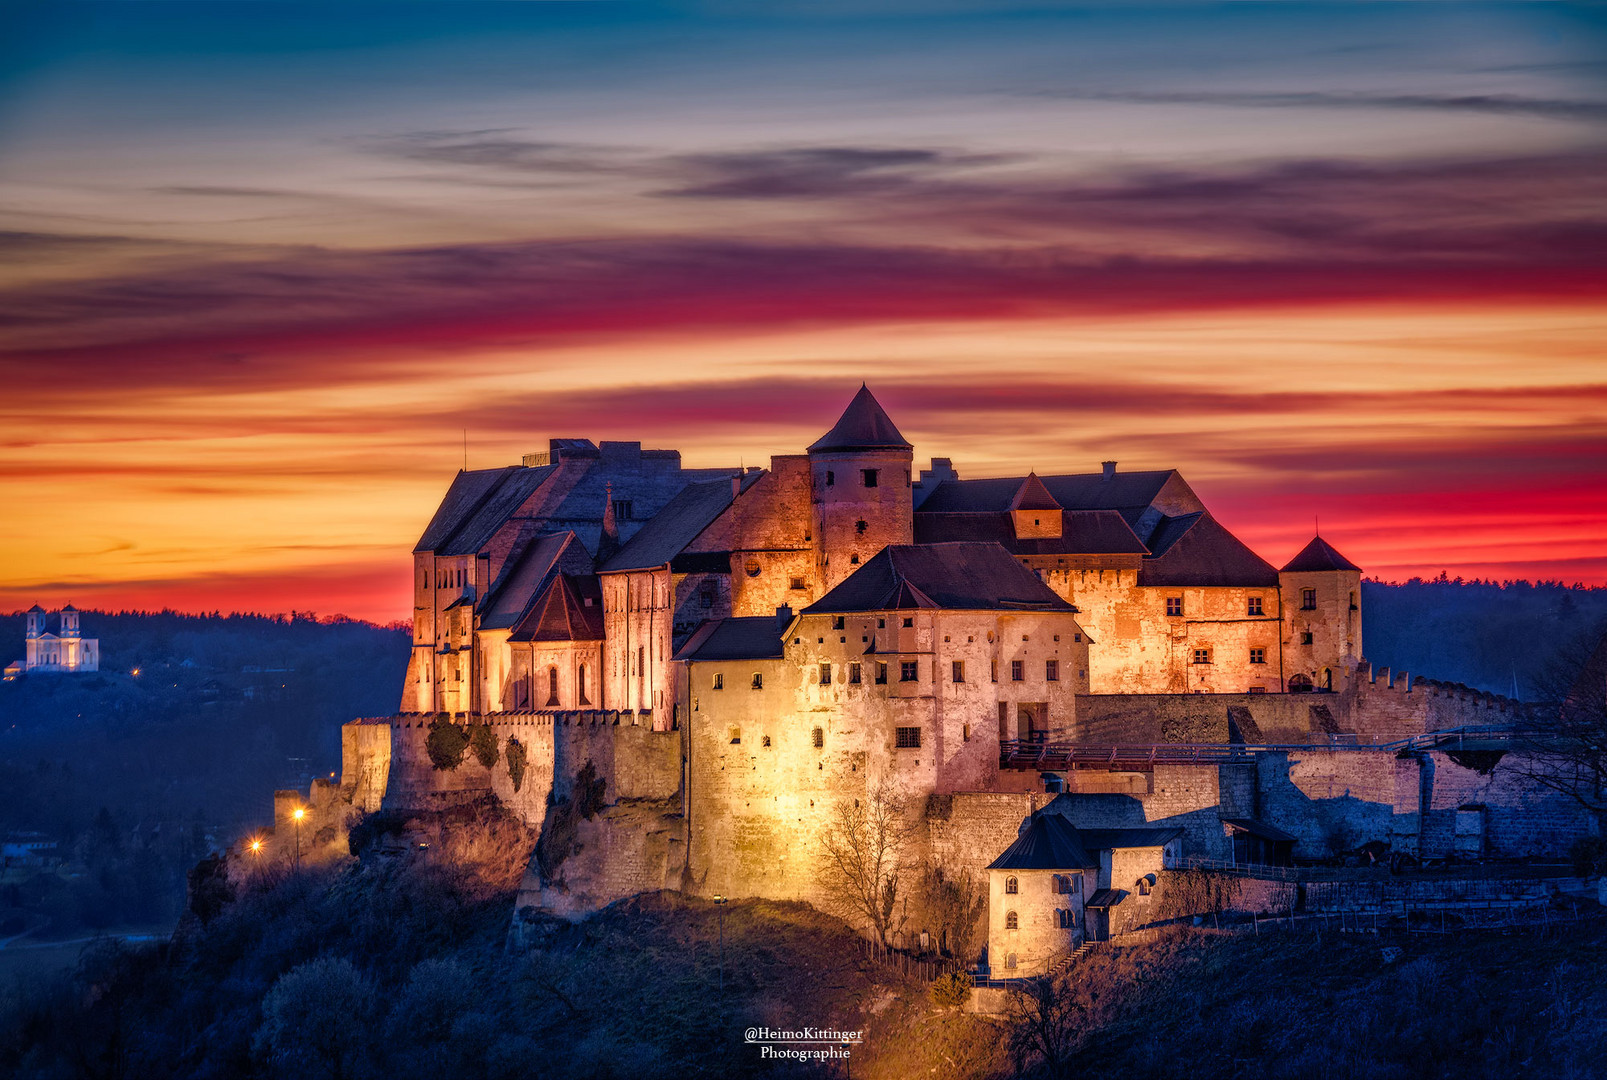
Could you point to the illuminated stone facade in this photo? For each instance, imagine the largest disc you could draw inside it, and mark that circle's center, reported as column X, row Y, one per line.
column 67, row 651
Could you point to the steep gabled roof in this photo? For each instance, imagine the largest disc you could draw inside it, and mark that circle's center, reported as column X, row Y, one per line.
column 561, row 613
column 1032, row 495
column 521, row 581
column 864, row 425
column 962, row 576
column 1130, row 492
column 476, row 505
column 1319, row 555
column 1048, row 842
column 750, row 638
column 1082, row 532
column 670, row 530
column 36, row 608
column 1112, row 839
column 1197, row 550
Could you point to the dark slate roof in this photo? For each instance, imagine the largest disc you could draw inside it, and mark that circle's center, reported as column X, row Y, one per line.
column 864, row 425
column 1048, row 842
column 960, row 576
column 1105, row 898
column 37, row 608
column 1261, row 829
column 1082, row 532
column 476, row 505
column 670, row 530
column 511, row 596
column 753, row 638
column 1032, row 495
column 560, row 613
column 1319, row 555
column 1196, row 550
column 1128, row 491
column 1111, row 839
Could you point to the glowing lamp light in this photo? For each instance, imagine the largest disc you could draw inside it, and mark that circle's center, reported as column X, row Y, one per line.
column 136, row 673
column 256, row 847
column 299, row 813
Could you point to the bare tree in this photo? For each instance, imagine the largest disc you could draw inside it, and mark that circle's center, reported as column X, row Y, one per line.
column 865, row 848
column 1567, row 748
column 1045, row 1026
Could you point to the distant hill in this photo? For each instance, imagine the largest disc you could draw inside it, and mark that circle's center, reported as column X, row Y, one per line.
column 1488, row 635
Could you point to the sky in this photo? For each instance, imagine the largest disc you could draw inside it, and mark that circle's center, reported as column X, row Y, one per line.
column 269, row 274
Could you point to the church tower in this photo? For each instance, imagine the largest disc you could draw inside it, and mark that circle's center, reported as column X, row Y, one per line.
column 69, row 622
column 860, row 490
column 36, row 623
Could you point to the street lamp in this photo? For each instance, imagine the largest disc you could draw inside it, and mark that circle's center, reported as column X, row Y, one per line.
column 298, row 813
column 719, row 904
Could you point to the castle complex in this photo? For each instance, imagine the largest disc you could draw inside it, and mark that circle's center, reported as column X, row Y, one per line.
column 1079, row 678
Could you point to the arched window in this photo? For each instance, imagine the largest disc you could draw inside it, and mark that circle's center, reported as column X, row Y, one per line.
column 1010, row 961
column 1300, row 684
column 580, row 686
column 1327, row 678
column 1011, row 922
column 552, row 686
column 1011, row 886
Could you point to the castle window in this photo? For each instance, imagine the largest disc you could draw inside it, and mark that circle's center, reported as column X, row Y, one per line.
column 1353, row 602
column 907, row 738
column 580, row 686
column 1076, row 637
column 1144, row 884
column 705, row 596
column 1018, row 671
column 1012, row 921
column 870, row 476
column 993, row 670
column 1065, row 918
column 765, row 741
column 837, row 623
column 798, row 583
column 909, row 621
column 552, row 686
column 758, row 680
column 908, row 671
column 1010, row 960
column 1256, row 690
column 825, row 674
column 719, row 680
column 1174, row 605
column 881, row 673
column 622, row 510
column 958, row 671
column 1011, row 886
column 831, row 478
column 853, row 560
column 752, row 567
column 1253, row 606
column 853, row 674
column 1051, row 670
column 861, row 525
column 1308, row 599
column 1305, row 637
column 1202, row 656
column 965, row 732
column 736, row 736
column 819, row 738
column 641, row 660
column 1258, row 656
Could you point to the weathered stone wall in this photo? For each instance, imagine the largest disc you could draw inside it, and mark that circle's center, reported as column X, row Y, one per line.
column 630, row 848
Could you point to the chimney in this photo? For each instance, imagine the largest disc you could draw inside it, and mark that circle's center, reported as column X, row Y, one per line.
column 1110, row 470
column 736, row 484
column 784, row 614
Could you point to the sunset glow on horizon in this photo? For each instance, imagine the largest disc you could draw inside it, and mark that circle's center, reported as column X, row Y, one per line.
column 261, row 271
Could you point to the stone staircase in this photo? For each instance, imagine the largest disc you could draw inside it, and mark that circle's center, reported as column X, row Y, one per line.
column 1061, row 966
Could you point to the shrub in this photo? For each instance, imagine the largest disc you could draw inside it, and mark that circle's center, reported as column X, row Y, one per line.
column 484, row 744
column 516, row 762
column 950, row 991
column 447, row 743
column 315, row 1019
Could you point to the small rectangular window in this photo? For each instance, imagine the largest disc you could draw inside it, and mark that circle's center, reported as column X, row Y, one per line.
column 1051, row 670
column 881, row 672
column 908, row 738
column 965, row 732
column 853, row 674
column 819, row 738
column 825, row 674
column 1308, row 599
column 958, row 669
column 1258, row 656
column 1305, row 637
column 706, row 597
column 993, row 670
column 831, row 478
column 870, row 477
column 1253, row 606
column 881, row 624
column 798, row 583
column 908, row 671
column 719, row 680
column 1174, row 605
column 1018, row 671
column 837, row 623
column 909, row 621
column 622, row 510
column 758, row 680
column 1258, row 690
column 1202, row 656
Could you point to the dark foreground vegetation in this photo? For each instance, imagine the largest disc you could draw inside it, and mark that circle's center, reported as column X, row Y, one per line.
column 402, row 966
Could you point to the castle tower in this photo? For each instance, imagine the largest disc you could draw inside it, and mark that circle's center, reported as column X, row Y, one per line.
column 69, row 622
column 859, row 490
column 36, row 622
column 1322, row 618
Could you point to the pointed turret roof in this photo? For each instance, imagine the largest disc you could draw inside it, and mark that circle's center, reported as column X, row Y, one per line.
column 1032, row 495
column 35, row 608
column 608, row 538
column 864, row 425
column 1048, row 842
column 1319, row 555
